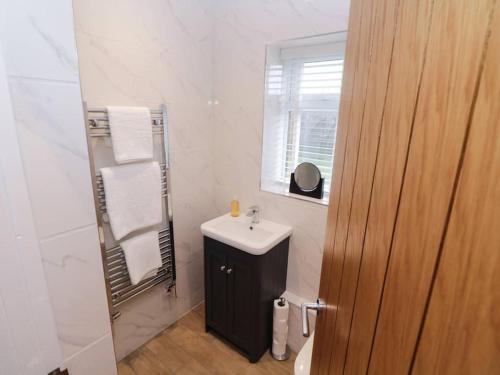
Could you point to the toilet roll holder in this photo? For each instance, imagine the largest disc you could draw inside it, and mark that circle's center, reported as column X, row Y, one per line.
column 286, row 355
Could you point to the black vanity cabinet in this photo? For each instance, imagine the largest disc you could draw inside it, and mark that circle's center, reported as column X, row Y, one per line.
column 239, row 293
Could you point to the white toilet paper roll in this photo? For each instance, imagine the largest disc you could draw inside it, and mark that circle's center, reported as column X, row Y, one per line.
column 280, row 336
column 280, row 327
column 280, row 312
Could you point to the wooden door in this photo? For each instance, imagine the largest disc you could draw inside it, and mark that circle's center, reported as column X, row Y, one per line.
column 461, row 330
column 415, row 194
column 216, row 286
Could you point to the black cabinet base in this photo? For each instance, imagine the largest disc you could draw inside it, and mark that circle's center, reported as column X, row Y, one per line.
column 252, row 358
column 239, row 292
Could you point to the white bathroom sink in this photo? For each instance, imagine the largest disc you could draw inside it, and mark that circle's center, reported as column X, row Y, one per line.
column 239, row 232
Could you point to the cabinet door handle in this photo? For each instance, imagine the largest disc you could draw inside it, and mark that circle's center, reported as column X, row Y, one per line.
column 222, row 268
column 229, row 270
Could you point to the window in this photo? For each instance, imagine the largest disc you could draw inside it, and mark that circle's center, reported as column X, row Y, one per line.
column 302, row 94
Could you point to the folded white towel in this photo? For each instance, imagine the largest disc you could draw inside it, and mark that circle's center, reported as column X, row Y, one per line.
column 133, row 196
column 131, row 133
column 143, row 257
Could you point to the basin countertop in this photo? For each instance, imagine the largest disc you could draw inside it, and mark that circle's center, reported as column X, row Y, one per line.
column 241, row 233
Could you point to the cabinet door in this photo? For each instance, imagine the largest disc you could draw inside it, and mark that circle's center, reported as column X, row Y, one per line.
column 215, row 287
column 241, row 302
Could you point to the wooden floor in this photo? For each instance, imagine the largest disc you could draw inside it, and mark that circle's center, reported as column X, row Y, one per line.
column 185, row 348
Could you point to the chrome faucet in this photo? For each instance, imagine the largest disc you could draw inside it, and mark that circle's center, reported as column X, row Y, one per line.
column 254, row 211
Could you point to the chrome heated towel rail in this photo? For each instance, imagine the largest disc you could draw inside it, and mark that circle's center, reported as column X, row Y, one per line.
column 119, row 286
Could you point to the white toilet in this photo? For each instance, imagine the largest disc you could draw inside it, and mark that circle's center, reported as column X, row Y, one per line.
column 303, row 360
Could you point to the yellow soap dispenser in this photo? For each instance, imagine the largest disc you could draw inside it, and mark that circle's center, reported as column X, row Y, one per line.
column 235, row 208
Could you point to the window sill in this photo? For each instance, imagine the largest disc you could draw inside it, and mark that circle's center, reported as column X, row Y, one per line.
column 285, row 193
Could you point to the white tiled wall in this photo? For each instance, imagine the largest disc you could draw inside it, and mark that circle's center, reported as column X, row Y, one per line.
column 189, row 54
column 94, row 359
column 28, row 336
column 241, row 31
column 149, row 53
column 75, row 277
column 50, row 126
column 38, row 39
column 41, row 60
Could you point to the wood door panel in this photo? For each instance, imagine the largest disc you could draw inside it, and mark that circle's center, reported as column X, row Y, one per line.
column 412, row 73
column 454, row 54
column 461, row 332
column 329, row 288
column 406, row 69
column 384, row 19
column 340, row 147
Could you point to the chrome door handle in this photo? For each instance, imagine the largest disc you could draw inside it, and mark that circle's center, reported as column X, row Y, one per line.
column 318, row 306
column 222, row 268
column 229, row 270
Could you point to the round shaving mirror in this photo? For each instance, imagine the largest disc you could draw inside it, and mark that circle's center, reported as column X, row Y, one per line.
column 307, row 176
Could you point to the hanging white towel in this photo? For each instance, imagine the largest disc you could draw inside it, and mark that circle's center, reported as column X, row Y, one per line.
column 143, row 257
column 133, row 196
column 131, row 133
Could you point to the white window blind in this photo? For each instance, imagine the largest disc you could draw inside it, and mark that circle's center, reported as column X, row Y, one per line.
column 302, row 102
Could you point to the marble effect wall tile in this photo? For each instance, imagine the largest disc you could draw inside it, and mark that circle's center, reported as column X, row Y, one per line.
column 96, row 359
column 133, row 54
column 51, row 133
column 27, row 327
column 75, row 277
column 241, row 32
column 205, row 60
column 145, row 316
column 49, row 118
column 28, row 343
column 38, row 39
